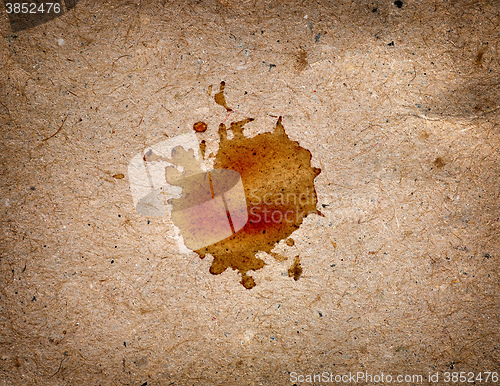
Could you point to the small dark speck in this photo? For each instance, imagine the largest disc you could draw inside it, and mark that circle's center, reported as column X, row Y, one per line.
column 145, row 384
column 33, row 299
column 320, row 314
column 271, row 66
column 374, row 10
column 149, row 222
column 32, row 188
column 398, row 3
column 325, row 205
column 125, row 344
column 391, row 44
column 487, row 255
column 112, row 261
column 317, row 37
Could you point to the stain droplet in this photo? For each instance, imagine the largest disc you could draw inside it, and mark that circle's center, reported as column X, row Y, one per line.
column 295, row 270
column 200, row 127
column 478, row 60
column 424, row 135
column 278, row 257
column 203, row 148
column 301, row 62
column 219, row 97
column 439, row 163
column 278, row 182
column 290, row 242
column 119, row 176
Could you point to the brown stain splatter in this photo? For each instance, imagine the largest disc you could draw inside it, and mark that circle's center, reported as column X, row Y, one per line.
column 203, row 148
column 119, row 176
column 301, row 60
column 478, row 60
column 424, row 135
column 200, row 127
column 439, row 163
column 219, row 97
column 295, row 270
column 278, row 181
column 290, row 242
column 278, row 257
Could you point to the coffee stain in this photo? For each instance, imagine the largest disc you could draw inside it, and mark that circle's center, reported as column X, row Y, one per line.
column 301, row 60
column 478, row 60
column 219, row 97
column 424, row 135
column 200, row 127
column 278, row 181
column 278, row 257
column 439, row 163
column 203, row 148
column 295, row 270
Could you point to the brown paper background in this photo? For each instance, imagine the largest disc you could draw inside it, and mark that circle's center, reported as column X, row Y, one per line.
column 399, row 108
